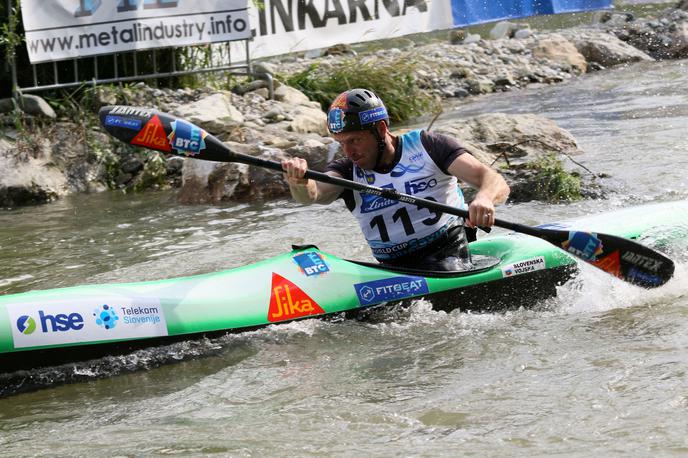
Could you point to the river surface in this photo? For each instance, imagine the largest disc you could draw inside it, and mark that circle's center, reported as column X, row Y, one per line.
column 601, row 369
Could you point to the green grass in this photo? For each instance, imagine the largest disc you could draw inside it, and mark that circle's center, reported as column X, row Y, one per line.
column 393, row 83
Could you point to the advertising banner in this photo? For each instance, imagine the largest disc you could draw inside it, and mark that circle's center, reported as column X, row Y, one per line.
column 62, row 29
column 285, row 26
column 467, row 12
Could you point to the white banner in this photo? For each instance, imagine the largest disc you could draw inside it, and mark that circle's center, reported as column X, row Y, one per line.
column 285, row 26
column 62, row 29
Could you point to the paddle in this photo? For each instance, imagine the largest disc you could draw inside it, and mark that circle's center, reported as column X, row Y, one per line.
column 623, row 258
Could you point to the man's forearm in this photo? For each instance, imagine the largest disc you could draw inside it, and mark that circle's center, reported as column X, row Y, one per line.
column 304, row 193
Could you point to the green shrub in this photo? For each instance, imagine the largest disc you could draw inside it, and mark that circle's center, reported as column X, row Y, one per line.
column 394, row 83
column 552, row 182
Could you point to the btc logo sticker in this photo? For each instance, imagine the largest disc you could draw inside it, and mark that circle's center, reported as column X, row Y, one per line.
column 186, row 138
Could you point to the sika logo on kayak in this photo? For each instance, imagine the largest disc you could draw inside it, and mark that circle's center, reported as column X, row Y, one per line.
column 395, row 288
column 106, row 317
column 288, row 301
column 26, row 325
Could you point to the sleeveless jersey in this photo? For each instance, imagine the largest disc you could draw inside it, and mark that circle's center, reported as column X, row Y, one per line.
column 394, row 229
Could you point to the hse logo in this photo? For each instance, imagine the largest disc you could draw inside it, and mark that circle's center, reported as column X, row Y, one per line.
column 420, row 184
column 26, row 325
column 60, row 322
column 106, row 317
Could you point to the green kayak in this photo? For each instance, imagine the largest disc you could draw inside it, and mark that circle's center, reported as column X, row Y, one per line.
column 45, row 328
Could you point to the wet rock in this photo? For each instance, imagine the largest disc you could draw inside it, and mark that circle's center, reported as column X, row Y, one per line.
column 36, row 106
column 7, row 105
column 81, row 156
column 132, row 165
column 679, row 46
column 27, row 176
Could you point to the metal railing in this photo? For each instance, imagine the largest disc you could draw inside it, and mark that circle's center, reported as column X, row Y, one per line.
column 137, row 65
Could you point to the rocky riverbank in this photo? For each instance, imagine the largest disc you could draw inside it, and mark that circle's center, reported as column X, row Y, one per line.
column 44, row 156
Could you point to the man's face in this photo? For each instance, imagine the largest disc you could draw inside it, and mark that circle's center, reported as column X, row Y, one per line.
column 360, row 147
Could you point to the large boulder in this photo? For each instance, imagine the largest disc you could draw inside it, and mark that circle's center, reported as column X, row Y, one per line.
column 214, row 113
column 83, row 161
column 607, row 50
column 679, row 40
column 558, row 49
column 27, row 175
column 511, row 139
column 213, row 182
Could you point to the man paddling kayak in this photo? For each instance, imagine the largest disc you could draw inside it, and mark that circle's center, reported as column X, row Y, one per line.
column 418, row 163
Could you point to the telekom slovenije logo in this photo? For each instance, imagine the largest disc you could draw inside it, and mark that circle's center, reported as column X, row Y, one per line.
column 106, row 317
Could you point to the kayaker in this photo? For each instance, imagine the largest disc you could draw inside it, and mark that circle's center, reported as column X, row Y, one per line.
column 420, row 163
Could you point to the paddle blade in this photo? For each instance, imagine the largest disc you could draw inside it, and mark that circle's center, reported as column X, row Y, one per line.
column 152, row 129
column 623, row 258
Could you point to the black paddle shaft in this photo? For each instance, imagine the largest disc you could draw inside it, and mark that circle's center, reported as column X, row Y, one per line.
column 623, row 258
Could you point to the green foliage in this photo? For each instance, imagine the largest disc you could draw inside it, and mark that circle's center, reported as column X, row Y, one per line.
column 552, row 182
column 153, row 174
column 393, row 83
column 9, row 37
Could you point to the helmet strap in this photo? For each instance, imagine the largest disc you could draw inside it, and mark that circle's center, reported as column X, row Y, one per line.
column 380, row 145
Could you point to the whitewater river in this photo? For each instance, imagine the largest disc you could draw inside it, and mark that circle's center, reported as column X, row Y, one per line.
column 602, row 369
